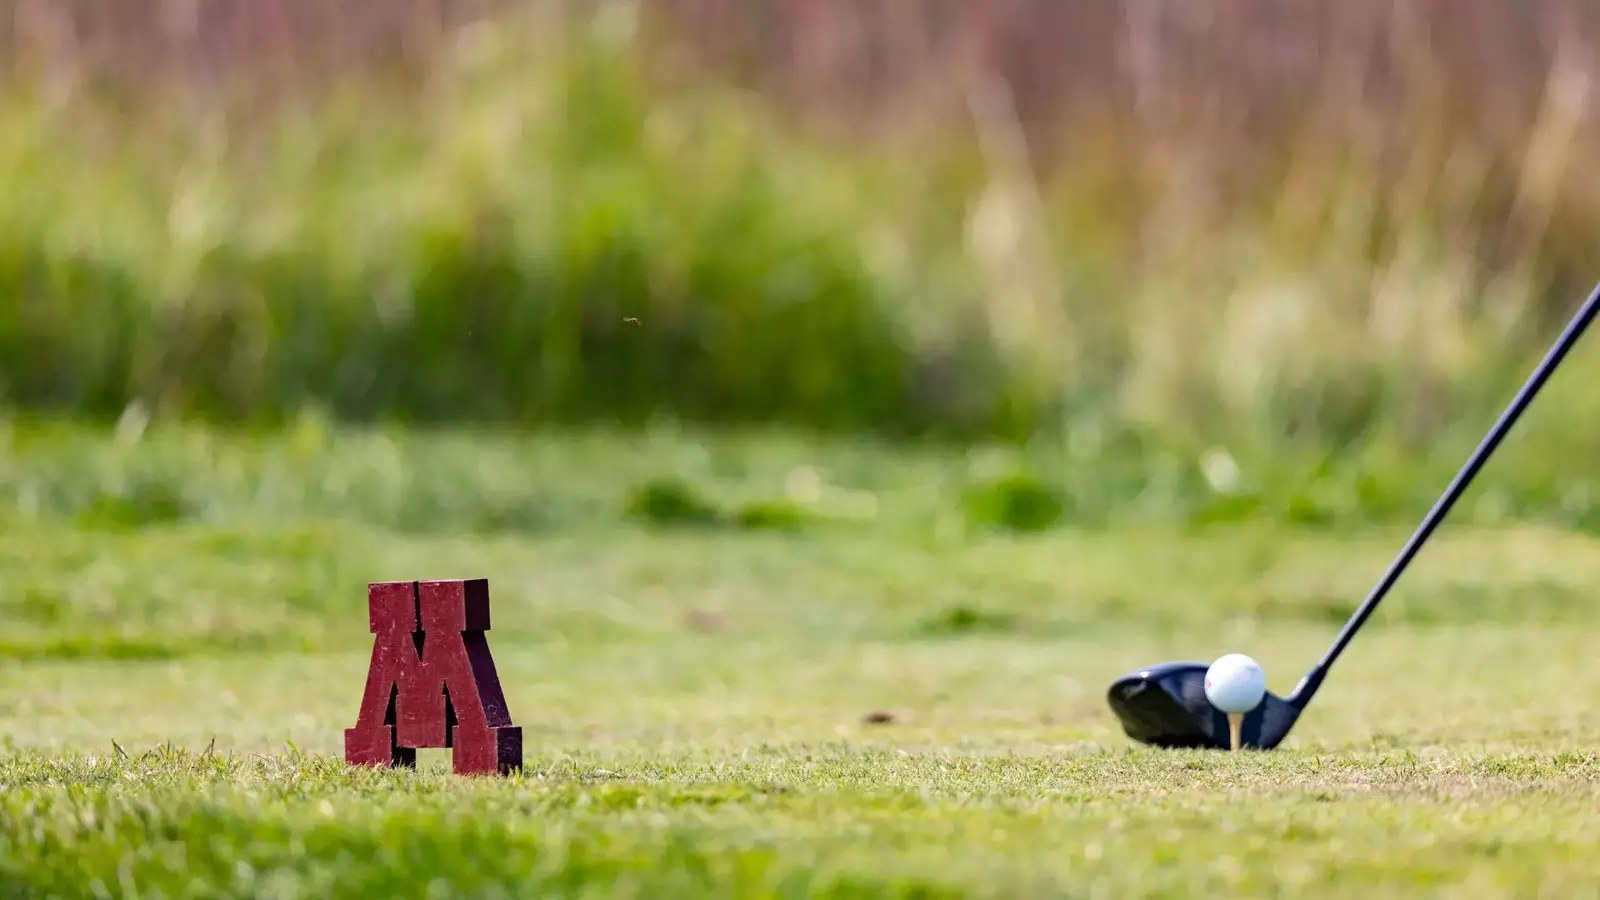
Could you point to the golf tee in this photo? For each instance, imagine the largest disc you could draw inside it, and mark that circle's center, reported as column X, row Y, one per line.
column 1235, row 721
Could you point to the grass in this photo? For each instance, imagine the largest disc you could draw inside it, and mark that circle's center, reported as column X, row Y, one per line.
column 1202, row 398
column 887, row 705
column 558, row 222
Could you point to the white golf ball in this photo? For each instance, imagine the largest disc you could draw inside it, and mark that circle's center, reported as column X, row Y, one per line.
column 1235, row 683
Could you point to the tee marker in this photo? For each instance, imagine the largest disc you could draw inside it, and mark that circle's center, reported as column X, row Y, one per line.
column 432, row 681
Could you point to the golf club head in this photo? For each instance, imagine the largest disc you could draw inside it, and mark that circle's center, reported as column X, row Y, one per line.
column 1166, row 706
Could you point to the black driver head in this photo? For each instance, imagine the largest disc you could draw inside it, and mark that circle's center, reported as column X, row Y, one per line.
column 1166, row 706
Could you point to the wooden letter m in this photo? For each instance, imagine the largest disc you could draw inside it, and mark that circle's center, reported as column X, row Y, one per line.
column 432, row 682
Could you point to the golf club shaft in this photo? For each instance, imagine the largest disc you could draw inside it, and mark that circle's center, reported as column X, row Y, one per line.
column 1313, row 680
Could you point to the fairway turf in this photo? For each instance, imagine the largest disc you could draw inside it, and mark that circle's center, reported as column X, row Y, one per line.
column 178, row 664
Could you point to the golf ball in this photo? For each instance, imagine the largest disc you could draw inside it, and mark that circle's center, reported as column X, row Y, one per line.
column 1235, row 683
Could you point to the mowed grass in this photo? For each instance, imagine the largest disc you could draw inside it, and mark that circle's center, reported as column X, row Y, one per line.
column 704, row 703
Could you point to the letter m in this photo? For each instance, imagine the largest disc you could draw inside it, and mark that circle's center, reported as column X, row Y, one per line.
column 432, row 681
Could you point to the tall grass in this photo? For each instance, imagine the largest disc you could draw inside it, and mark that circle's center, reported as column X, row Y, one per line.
column 1271, row 227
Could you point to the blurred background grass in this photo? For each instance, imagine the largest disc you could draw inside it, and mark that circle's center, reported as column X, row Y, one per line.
column 1221, row 259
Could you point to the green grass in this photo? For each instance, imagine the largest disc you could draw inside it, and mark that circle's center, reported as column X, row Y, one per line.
column 547, row 224
column 704, row 703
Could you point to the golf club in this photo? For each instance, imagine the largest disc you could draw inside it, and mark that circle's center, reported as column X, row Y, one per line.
column 1165, row 705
